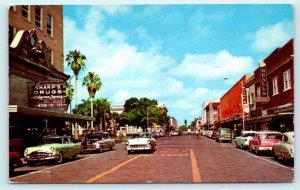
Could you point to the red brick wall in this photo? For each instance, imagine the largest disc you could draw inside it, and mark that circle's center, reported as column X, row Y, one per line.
column 230, row 103
column 54, row 42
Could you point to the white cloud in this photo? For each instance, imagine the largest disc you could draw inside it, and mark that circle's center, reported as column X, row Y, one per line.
column 213, row 66
column 268, row 38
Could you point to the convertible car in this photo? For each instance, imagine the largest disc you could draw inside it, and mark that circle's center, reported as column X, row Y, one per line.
column 52, row 148
column 141, row 142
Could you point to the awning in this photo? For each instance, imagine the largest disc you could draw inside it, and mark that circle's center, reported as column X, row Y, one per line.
column 15, row 109
column 268, row 118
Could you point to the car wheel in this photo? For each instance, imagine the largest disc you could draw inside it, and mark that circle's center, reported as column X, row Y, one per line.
column 236, row 145
column 274, row 155
column 242, row 146
column 256, row 151
column 75, row 156
column 30, row 163
column 60, row 158
column 129, row 152
column 100, row 149
column 249, row 148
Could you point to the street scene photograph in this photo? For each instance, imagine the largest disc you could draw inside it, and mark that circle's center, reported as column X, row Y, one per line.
column 157, row 93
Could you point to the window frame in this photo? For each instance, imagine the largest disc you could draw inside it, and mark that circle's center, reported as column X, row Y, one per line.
column 40, row 21
column 27, row 11
column 51, row 25
column 275, row 89
column 287, row 82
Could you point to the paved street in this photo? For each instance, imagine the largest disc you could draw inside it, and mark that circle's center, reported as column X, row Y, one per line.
column 180, row 159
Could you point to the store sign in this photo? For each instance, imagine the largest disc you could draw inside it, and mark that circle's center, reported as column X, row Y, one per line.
column 48, row 95
column 244, row 96
column 263, row 81
column 256, row 113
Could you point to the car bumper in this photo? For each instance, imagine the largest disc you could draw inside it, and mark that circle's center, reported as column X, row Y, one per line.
column 265, row 149
column 37, row 159
column 139, row 147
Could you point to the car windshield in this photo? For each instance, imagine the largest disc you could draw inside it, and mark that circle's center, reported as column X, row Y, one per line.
column 94, row 137
column 249, row 135
column 50, row 141
column 225, row 130
column 271, row 136
column 141, row 135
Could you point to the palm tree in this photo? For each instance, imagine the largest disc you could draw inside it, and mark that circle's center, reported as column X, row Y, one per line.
column 93, row 83
column 76, row 60
column 69, row 94
column 102, row 106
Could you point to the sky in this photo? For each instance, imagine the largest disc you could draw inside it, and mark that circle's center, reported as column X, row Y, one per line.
column 176, row 54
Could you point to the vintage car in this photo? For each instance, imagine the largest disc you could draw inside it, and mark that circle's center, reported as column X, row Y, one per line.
column 15, row 145
column 141, row 142
column 209, row 133
column 224, row 134
column 174, row 133
column 284, row 150
column 55, row 148
column 263, row 141
column 97, row 142
column 243, row 140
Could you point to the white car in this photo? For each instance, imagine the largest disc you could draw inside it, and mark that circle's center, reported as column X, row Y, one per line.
column 141, row 142
column 174, row 133
column 243, row 140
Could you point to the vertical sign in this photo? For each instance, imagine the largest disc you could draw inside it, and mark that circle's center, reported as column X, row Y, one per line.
column 263, row 81
column 244, row 96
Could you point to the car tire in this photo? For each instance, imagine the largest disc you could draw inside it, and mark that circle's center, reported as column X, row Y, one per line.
column 60, row 158
column 274, row 155
column 75, row 156
column 129, row 152
column 257, row 151
column 30, row 163
column 249, row 148
column 100, row 149
column 236, row 145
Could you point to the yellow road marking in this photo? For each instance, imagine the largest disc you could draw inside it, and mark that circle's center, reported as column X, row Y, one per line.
column 112, row 170
column 196, row 173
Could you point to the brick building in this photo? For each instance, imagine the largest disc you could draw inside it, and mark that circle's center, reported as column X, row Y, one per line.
column 37, row 81
column 275, row 110
column 210, row 114
column 230, row 108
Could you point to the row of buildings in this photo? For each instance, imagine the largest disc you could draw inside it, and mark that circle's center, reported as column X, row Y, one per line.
column 263, row 100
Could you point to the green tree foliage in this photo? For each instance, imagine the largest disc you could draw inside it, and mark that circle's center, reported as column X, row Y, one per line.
column 135, row 113
column 183, row 128
column 69, row 93
column 193, row 123
column 76, row 61
column 93, row 83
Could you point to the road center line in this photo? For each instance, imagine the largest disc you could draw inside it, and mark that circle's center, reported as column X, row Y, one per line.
column 195, row 169
column 112, row 170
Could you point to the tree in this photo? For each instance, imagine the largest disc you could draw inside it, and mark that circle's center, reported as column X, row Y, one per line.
column 102, row 108
column 69, row 94
column 93, row 83
column 76, row 61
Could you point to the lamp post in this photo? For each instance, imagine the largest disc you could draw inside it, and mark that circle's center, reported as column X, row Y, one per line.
column 147, row 120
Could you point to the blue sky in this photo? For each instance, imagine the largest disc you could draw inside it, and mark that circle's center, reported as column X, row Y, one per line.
column 177, row 54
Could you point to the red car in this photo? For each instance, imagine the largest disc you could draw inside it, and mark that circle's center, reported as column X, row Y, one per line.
column 263, row 141
column 14, row 153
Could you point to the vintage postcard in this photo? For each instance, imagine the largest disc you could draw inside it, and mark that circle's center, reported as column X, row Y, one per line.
column 165, row 93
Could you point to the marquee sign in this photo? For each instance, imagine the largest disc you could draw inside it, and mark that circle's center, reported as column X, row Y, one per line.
column 47, row 95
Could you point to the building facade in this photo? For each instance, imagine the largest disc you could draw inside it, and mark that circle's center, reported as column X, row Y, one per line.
column 210, row 113
column 37, row 82
column 275, row 111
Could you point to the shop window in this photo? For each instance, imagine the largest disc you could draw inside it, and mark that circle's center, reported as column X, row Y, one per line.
column 49, row 24
column 275, row 86
column 25, row 11
column 38, row 16
column 287, row 80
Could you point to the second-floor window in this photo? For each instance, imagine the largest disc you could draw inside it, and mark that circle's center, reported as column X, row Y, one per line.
column 258, row 92
column 275, row 85
column 49, row 24
column 287, row 80
column 25, row 11
column 38, row 16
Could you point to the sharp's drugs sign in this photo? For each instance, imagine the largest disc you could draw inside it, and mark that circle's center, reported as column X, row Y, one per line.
column 48, row 95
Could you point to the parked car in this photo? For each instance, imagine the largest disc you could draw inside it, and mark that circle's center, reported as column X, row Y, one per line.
column 55, row 148
column 209, row 133
column 224, row 134
column 174, row 133
column 243, row 140
column 97, row 142
column 284, row 150
column 263, row 141
column 14, row 154
column 141, row 142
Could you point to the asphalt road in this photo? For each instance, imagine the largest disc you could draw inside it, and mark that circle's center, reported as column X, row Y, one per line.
column 179, row 159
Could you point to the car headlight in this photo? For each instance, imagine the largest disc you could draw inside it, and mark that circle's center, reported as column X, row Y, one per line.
column 26, row 151
column 148, row 141
column 52, row 149
column 127, row 143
